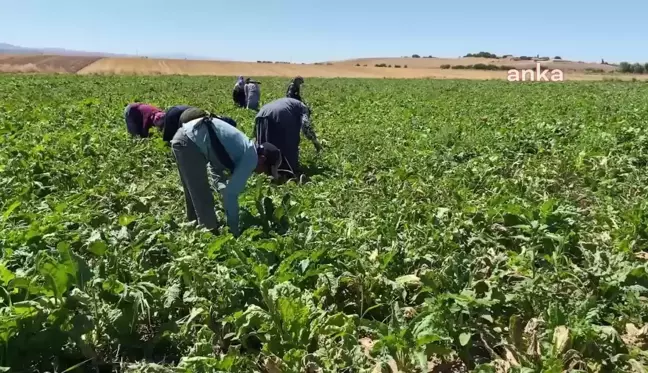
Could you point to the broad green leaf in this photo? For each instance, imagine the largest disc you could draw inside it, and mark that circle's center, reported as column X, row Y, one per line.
column 408, row 279
column 464, row 338
column 10, row 209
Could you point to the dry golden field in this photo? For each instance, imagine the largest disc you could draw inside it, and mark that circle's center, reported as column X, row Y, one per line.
column 416, row 67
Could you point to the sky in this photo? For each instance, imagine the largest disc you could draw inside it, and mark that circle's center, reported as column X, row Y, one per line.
column 309, row 31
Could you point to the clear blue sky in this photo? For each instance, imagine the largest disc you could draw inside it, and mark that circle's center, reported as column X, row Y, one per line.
column 310, row 31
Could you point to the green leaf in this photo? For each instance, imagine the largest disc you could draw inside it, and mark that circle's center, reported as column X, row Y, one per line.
column 125, row 220
column 488, row 318
column 96, row 244
column 6, row 275
column 98, row 248
column 408, row 280
column 464, row 338
column 10, row 209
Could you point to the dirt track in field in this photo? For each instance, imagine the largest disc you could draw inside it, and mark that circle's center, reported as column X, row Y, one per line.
column 357, row 68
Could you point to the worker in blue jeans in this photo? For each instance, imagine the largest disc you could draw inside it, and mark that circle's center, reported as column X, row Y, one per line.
column 203, row 139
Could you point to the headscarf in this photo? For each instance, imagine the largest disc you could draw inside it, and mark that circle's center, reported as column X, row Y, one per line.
column 159, row 118
column 240, row 82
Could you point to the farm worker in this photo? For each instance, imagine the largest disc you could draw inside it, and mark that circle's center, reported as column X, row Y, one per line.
column 280, row 123
column 294, row 88
column 252, row 94
column 172, row 121
column 141, row 117
column 238, row 94
column 204, row 139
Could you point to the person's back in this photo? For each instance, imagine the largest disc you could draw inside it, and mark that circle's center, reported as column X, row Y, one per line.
column 280, row 123
column 253, row 95
column 286, row 110
column 294, row 90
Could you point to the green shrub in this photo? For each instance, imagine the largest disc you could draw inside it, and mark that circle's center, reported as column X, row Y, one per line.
column 482, row 55
column 557, row 58
column 445, row 66
column 625, row 67
column 638, row 68
column 416, row 56
column 397, row 66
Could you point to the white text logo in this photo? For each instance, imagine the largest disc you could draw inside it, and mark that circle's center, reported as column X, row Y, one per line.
column 537, row 75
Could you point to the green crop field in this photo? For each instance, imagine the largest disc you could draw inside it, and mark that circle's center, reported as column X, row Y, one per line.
column 448, row 226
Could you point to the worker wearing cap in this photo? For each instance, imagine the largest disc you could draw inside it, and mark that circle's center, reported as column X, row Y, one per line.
column 280, row 123
column 203, row 139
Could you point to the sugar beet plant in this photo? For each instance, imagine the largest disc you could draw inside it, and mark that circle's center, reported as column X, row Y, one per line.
column 448, row 226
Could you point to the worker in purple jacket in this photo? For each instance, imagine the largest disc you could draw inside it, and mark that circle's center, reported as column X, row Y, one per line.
column 141, row 117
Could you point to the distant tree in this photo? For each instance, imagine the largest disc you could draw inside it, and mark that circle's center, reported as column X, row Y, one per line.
column 482, row 55
column 405, row 67
column 357, row 64
column 445, row 66
column 416, row 56
column 638, row 68
column 625, row 67
column 646, row 67
column 557, row 58
column 397, row 66
column 389, row 66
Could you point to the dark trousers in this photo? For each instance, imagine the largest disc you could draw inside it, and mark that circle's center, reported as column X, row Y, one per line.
column 238, row 95
column 285, row 137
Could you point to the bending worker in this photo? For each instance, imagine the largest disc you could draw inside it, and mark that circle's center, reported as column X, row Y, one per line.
column 252, row 94
column 141, row 117
column 203, row 139
column 294, row 88
column 280, row 123
column 238, row 94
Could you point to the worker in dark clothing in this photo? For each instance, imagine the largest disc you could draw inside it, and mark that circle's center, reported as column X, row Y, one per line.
column 238, row 94
column 172, row 120
column 294, row 88
column 280, row 123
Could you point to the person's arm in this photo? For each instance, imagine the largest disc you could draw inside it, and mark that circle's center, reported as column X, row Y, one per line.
column 309, row 132
column 242, row 172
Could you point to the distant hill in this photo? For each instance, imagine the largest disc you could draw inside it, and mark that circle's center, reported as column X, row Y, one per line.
column 6, row 48
column 15, row 49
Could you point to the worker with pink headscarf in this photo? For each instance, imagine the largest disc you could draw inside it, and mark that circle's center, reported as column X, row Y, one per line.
column 141, row 117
